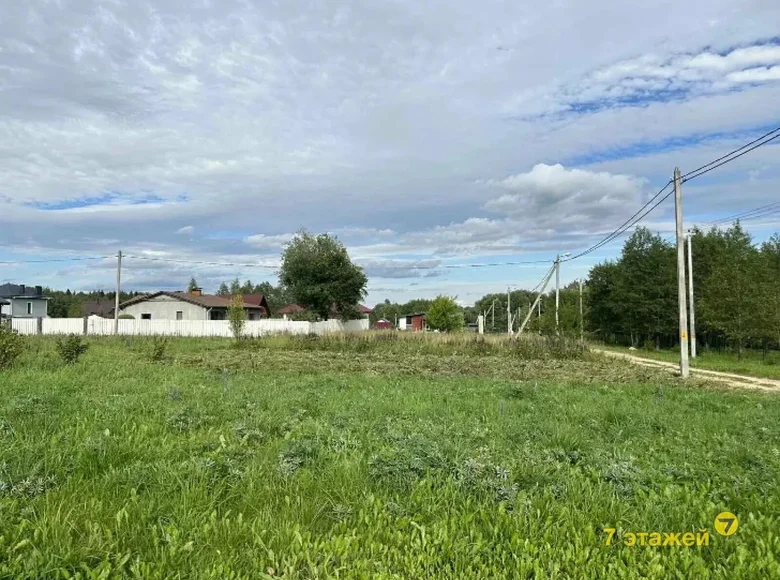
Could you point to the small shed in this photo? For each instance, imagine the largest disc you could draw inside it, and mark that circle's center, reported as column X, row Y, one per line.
column 383, row 324
column 414, row 322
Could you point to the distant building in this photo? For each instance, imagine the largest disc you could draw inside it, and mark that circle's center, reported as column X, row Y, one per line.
column 21, row 301
column 192, row 305
column 414, row 322
column 102, row 308
column 383, row 324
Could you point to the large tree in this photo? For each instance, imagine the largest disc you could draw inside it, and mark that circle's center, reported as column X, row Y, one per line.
column 193, row 285
column 319, row 275
column 445, row 315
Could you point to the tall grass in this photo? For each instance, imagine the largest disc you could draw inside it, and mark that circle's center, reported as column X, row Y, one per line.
column 408, row 343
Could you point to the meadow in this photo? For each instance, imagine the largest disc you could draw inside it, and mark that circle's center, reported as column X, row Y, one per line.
column 376, row 456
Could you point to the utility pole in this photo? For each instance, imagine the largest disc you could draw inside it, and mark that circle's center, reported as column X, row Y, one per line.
column 545, row 281
column 582, row 318
column 118, row 288
column 508, row 312
column 684, row 370
column 690, row 297
column 557, row 290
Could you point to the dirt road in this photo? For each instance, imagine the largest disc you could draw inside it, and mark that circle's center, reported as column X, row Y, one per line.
column 733, row 380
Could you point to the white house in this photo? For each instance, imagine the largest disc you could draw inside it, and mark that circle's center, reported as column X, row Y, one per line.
column 192, row 305
column 21, row 301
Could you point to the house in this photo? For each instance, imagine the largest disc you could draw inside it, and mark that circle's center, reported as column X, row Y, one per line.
column 291, row 309
column 259, row 300
column 414, row 322
column 383, row 324
column 21, row 301
column 192, row 305
column 102, row 308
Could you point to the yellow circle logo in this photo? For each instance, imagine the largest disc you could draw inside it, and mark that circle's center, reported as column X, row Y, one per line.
column 726, row 523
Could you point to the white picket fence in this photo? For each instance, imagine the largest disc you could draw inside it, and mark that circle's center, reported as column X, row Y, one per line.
column 104, row 327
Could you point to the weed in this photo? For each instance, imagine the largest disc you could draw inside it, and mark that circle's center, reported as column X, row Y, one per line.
column 70, row 348
column 159, row 344
column 11, row 346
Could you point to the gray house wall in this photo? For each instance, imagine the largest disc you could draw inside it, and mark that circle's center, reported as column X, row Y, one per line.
column 18, row 307
column 165, row 308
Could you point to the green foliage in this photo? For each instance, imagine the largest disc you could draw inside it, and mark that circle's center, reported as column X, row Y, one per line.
column 445, row 315
column 159, row 345
column 319, row 275
column 70, row 348
column 737, row 291
column 11, row 346
column 403, row 465
column 193, row 285
column 223, row 290
column 237, row 315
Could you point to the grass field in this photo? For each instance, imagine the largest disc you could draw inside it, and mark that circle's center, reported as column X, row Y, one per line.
column 367, row 458
column 753, row 363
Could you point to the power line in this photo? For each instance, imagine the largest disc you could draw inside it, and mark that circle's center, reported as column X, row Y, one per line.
column 628, row 223
column 729, row 160
column 727, row 155
column 45, row 261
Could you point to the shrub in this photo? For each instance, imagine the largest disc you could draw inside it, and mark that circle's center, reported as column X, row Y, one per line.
column 237, row 315
column 445, row 314
column 11, row 346
column 159, row 344
column 126, row 317
column 70, row 348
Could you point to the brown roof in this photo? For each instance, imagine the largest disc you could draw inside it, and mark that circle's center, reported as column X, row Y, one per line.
column 99, row 307
column 205, row 300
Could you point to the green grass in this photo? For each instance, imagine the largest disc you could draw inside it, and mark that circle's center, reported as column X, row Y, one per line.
column 753, row 363
column 317, row 458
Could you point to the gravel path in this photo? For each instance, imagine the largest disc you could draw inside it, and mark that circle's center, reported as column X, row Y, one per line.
column 734, row 380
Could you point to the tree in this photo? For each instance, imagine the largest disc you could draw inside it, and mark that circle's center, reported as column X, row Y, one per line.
column 319, row 275
column 193, row 285
column 223, row 290
column 237, row 315
column 731, row 302
column 235, row 287
column 770, row 267
column 444, row 314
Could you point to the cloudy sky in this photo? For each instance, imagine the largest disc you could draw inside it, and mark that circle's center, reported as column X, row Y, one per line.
column 427, row 135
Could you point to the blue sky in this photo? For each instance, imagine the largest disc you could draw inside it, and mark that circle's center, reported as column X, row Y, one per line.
column 423, row 134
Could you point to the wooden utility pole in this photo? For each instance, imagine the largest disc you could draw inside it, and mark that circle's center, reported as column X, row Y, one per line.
column 557, row 291
column 508, row 312
column 690, row 297
column 683, row 309
column 118, row 289
column 582, row 318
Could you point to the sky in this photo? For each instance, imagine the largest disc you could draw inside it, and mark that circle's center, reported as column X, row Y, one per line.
column 427, row 135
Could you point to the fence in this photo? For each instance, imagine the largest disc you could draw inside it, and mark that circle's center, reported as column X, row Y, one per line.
column 103, row 327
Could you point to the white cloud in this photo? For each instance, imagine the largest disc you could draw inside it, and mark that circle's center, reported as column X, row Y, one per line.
column 382, row 123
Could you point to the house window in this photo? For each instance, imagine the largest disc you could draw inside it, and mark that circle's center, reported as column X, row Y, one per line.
column 29, row 308
column 179, row 315
column 146, row 316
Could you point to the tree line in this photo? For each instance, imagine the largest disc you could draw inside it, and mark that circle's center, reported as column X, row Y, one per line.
column 633, row 299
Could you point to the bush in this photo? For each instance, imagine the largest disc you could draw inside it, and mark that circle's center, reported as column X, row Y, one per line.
column 159, row 345
column 70, row 348
column 237, row 315
column 445, row 315
column 126, row 317
column 11, row 346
